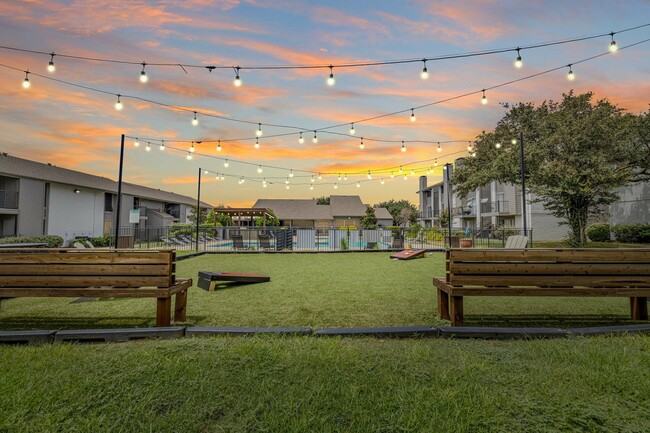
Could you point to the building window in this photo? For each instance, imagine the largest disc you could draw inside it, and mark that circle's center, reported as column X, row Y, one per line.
column 108, row 202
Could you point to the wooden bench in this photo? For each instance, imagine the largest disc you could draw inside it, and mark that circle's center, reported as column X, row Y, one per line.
column 544, row 272
column 96, row 273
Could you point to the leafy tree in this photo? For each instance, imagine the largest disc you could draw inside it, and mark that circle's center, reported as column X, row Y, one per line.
column 323, row 200
column 271, row 221
column 577, row 153
column 203, row 215
column 369, row 220
column 221, row 219
column 395, row 209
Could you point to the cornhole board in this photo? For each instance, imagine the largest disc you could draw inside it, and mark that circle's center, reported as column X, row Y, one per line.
column 408, row 254
column 209, row 280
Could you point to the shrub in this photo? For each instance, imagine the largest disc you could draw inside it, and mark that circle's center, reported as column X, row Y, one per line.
column 101, row 241
column 50, row 240
column 599, row 232
column 344, row 244
column 639, row 233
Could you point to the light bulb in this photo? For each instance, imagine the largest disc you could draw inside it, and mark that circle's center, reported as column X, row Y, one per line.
column 219, row 146
column 369, row 175
column 469, row 146
column 382, row 181
column 192, row 148
column 50, row 66
column 26, row 83
column 286, row 181
column 473, row 154
column 259, row 169
column 345, row 176
column 412, row 115
column 189, row 156
column 392, row 175
column 148, row 148
column 400, row 169
column 222, row 176
column 425, row 73
column 406, row 177
column 518, row 62
column 300, row 139
column 257, row 143
column 403, row 147
column 358, row 185
column 412, row 172
column 484, row 98
column 361, row 145
column 205, row 171
column 612, row 45
column 330, row 79
column 571, row 76
column 311, row 187
column 264, row 183
column 237, row 81
column 339, row 176
column 312, row 179
column 225, row 164
column 136, row 143
column 352, row 131
column 513, row 141
column 498, row 145
column 195, row 121
column 143, row 77
column 435, row 162
column 315, row 139
column 291, row 173
column 259, row 130
column 319, row 176
column 336, row 186
column 243, row 180
column 118, row 104
column 162, row 146
column 439, row 148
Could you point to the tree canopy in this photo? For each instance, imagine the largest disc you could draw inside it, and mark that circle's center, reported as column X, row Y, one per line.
column 576, row 152
column 402, row 211
column 369, row 220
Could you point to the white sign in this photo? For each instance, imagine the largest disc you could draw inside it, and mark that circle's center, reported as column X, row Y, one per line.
column 134, row 216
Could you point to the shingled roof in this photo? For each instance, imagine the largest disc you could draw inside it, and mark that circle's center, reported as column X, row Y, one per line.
column 286, row 209
column 19, row 167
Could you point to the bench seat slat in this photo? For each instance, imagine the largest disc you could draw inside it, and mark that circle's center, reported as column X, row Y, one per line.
column 48, row 256
column 83, row 269
column 549, row 280
column 560, row 269
column 84, row 281
column 96, row 292
column 641, row 255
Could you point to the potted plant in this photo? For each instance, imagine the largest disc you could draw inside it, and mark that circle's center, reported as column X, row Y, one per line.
column 466, row 241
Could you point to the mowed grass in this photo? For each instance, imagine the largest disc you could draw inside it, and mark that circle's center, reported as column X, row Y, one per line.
column 316, row 290
column 306, row 384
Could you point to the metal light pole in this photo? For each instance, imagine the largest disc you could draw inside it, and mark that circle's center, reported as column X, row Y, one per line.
column 447, row 167
column 198, row 211
column 523, row 181
column 119, row 193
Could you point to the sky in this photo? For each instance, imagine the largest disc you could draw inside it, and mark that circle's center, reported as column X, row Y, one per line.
column 69, row 125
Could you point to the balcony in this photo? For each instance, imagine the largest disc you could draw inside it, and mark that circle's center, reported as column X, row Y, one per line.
column 497, row 207
column 8, row 199
column 466, row 211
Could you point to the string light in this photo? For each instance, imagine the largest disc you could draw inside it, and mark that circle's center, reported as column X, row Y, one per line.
column 319, row 176
column 257, row 143
column 612, row 46
column 205, row 172
column 237, row 81
column 400, row 169
column 392, row 175
column 406, row 177
column 189, row 156
column 192, row 148
column 336, row 186
column 291, row 173
column 143, row 74
column 26, row 83
column 358, row 185
column 424, row 74
column 148, row 148
column 300, row 139
column 403, row 146
column 311, row 187
column 312, row 179
column 259, row 130
column 412, row 115
column 162, row 145
column 195, row 121
column 345, row 176
column 50, row 66
column 435, row 162
column 219, row 146
column 513, row 141
column 225, row 164
column 484, row 98
column 361, row 145
column 339, row 176
column 518, row 62
column 136, row 143
column 315, row 139
column 330, row 79
column 369, row 175
column 382, row 180
column 259, row 169
column 118, row 104
column 439, row 148
column 287, row 181
column 352, row 131
column 222, row 176
column 412, row 172
column 264, row 183
column 473, row 154
column 570, row 76
column 469, row 146
column 498, row 145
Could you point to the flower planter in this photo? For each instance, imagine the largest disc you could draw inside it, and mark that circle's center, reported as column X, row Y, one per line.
column 466, row 243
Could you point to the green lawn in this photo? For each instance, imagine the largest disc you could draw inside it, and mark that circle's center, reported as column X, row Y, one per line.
column 307, row 384
column 317, row 290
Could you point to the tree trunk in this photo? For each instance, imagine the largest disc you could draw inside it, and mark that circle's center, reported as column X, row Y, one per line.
column 577, row 216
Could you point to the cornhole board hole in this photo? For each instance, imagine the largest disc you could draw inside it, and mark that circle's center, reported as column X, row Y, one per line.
column 408, row 254
column 209, row 280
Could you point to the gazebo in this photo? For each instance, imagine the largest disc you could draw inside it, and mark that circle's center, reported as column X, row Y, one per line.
column 245, row 216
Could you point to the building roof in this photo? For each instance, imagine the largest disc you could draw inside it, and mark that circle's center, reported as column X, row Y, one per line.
column 287, row 209
column 347, row 205
column 382, row 213
column 19, row 167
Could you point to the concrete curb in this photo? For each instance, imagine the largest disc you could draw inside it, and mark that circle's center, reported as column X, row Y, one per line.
column 500, row 333
column 389, row 332
column 118, row 335
column 26, row 337
column 208, row 331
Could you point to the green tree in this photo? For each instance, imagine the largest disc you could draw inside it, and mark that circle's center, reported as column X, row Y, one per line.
column 203, row 215
column 323, row 200
column 271, row 221
column 395, row 208
column 221, row 219
column 577, row 152
column 369, row 220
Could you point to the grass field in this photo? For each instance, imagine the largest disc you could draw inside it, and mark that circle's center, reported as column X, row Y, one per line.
column 317, row 290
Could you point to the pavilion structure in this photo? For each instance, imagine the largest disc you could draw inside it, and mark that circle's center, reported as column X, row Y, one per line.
column 246, row 216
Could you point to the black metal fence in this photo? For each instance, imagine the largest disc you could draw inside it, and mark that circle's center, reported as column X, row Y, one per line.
column 272, row 239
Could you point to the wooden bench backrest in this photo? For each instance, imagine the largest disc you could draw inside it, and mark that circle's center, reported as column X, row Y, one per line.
column 86, row 268
column 549, row 267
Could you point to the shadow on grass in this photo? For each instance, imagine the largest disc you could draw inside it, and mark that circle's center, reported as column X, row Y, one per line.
column 547, row 321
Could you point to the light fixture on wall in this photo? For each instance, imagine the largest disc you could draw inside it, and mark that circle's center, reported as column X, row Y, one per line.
column 77, row 190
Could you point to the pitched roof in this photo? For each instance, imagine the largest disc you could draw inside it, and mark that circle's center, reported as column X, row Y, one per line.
column 19, row 167
column 287, row 209
column 382, row 213
column 347, row 205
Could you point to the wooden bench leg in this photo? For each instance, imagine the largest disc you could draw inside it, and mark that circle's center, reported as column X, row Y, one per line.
column 456, row 310
column 180, row 307
column 639, row 308
column 163, row 312
column 443, row 304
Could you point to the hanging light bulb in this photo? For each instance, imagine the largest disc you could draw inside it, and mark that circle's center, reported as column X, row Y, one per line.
column 50, row 66
column 311, row 187
column 336, row 186
column 217, row 176
column 358, row 185
column 195, row 121
column 259, row 169
column 406, row 177
column 392, row 175
column 369, row 175
column 518, row 62
column 257, row 143
column 300, row 139
column 162, row 145
column 425, row 73
column 205, row 172
column 612, row 45
column 330, row 79
column 291, row 173
column 286, row 181
column 412, row 172
column 148, row 148
column 264, row 183
column 222, row 176
column 484, row 98
column 345, row 176
column 339, row 176
column 570, row 76
column 26, row 83
column 469, row 146
column 435, row 162
column 118, row 104
column 498, row 145
column 259, row 130
column 312, row 179
column 400, row 169
column 412, row 115
column 315, row 139
column 439, row 148
column 219, row 146
column 243, row 180
column 237, row 81
column 225, row 164
column 189, row 156
column 143, row 74
column 403, row 146
column 136, row 143
column 192, row 148
column 319, row 176
column 361, row 145
column 513, row 141
column 352, row 131
column 473, row 154
column 382, row 180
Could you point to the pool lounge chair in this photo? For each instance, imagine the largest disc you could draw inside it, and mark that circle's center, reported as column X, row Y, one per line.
column 238, row 242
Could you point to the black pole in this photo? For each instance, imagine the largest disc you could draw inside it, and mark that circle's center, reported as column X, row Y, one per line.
column 119, row 193
column 447, row 166
column 198, row 211
column 523, row 181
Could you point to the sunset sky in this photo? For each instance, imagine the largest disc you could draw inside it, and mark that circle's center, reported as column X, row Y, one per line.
column 80, row 129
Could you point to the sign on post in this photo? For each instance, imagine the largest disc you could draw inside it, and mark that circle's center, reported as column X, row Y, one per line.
column 134, row 216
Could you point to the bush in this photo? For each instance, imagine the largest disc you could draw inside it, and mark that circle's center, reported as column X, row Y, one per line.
column 51, row 241
column 599, row 232
column 629, row 234
column 101, row 241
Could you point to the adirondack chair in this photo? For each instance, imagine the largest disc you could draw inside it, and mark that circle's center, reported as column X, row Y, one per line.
column 516, row 242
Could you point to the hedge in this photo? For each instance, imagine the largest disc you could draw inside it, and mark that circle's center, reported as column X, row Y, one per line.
column 600, row 232
column 50, row 240
column 632, row 234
